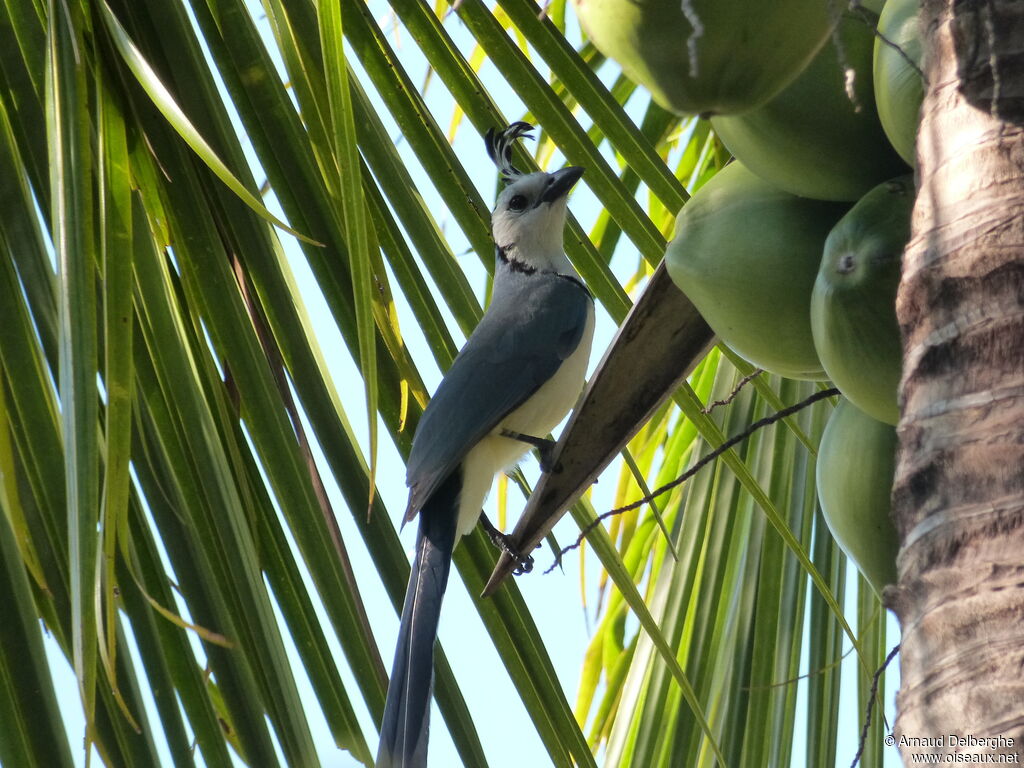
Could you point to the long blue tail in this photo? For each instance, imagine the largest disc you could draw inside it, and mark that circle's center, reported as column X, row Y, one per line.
column 403, row 732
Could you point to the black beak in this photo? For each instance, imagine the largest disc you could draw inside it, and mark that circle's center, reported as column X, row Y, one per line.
column 559, row 183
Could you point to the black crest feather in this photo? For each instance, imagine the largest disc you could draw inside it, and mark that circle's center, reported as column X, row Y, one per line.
column 499, row 147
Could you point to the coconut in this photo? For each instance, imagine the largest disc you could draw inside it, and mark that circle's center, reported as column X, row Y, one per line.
column 815, row 138
column 853, row 305
column 745, row 253
column 708, row 56
column 899, row 87
column 856, row 464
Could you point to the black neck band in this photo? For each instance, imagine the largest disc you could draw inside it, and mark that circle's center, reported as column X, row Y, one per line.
column 514, row 264
column 518, row 266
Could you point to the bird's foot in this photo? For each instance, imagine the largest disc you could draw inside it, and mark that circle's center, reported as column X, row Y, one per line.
column 524, row 563
column 544, row 446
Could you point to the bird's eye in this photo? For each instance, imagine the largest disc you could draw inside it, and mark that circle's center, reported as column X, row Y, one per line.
column 517, row 203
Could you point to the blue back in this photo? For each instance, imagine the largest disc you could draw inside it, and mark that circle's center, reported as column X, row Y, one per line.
column 535, row 321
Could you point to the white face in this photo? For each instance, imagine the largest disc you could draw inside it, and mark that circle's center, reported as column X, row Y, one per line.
column 523, row 221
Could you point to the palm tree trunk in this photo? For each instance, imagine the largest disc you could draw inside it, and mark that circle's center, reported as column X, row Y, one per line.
column 958, row 500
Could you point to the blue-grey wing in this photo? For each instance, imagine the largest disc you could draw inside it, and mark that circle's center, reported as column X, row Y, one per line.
column 533, row 324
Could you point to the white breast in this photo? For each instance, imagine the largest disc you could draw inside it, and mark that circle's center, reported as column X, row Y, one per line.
column 537, row 417
column 548, row 406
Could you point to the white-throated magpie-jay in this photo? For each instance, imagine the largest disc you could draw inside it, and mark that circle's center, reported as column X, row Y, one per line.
column 519, row 373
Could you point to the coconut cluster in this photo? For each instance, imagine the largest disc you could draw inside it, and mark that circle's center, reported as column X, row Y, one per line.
column 792, row 252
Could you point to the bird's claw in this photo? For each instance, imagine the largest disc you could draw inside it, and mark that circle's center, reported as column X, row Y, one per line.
column 547, row 456
column 524, row 563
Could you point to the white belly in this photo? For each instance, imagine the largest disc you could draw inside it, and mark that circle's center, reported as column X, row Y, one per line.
column 537, row 417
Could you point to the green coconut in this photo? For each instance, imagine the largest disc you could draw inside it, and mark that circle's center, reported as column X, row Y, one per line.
column 853, row 305
column 708, row 56
column 746, row 253
column 856, row 465
column 813, row 139
column 899, row 87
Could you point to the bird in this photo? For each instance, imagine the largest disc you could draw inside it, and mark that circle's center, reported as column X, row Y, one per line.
column 518, row 375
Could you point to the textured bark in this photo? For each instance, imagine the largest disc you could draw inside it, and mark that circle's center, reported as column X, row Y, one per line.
column 958, row 499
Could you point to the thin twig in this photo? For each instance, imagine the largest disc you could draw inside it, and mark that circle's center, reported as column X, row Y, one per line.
column 865, row 16
column 732, row 395
column 798, row 678
column 759, row 424
column 871, row 704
